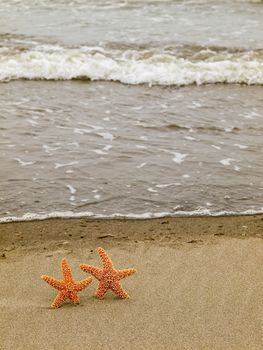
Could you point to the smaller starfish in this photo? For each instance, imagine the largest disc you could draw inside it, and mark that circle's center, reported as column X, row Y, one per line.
column 68, row 288
column 109, row 277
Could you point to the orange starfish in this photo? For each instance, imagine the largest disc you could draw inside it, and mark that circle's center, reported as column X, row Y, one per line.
column 68, row 288
column 109, row 277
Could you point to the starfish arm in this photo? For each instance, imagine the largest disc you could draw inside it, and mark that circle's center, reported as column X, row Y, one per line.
column 62, row 295
column 107, row 263
column 126, row 273
column 101, row 290
column 74, row 297
column 66, row 270
column 53, row 282
column 83, row 284
column 95, row 271
column 117, row 289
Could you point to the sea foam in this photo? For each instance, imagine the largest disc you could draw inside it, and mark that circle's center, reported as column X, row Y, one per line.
column 142, row 216
column 130, row 66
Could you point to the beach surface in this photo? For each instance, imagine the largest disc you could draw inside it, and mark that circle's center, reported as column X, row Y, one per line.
column 198, row 284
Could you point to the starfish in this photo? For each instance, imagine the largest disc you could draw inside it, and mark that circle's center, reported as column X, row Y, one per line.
column 68, row 288
column 109, row 277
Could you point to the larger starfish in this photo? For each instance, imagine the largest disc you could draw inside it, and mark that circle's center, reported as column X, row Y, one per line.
column 109, row 277
column 68, row 288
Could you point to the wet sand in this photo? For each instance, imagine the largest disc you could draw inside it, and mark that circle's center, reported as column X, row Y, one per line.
column 198, row 285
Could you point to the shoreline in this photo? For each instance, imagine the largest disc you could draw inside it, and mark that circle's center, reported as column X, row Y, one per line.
column 174, row 229
column 198, row 284
column 146, row 216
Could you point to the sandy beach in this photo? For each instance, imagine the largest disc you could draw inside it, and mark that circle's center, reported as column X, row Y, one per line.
column 136, row 126
column 198, row 285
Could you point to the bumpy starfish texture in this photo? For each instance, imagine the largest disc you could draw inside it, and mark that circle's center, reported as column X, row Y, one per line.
column 109, row 277
column 68, row 288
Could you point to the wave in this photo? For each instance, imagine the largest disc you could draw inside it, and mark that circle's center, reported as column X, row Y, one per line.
column 153, row 66
column 108, row 3
column 149, row 215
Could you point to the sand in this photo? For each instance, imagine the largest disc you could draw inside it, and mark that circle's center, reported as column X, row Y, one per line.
column 199, row 284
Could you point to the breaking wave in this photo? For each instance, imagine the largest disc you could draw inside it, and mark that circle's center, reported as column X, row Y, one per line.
column 148, row 215
column 165, row 66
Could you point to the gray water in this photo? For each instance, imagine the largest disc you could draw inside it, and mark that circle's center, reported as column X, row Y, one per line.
column 229, row 23
column 179, row 131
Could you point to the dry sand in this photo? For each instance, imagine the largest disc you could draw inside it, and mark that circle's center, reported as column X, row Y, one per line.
column 199, row 284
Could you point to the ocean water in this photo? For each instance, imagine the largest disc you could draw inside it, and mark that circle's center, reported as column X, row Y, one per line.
column 134, row 108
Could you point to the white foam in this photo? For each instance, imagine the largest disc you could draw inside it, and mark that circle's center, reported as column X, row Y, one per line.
column 168, row 185
column 216, row 147
column 61, row 165
column 106, row 136
column 82, row 131
column 99, row 151
column 196, row 104
column 179, row 157
column 71, row 189
column 21, row 162
column 240, row 146
column 53, row 63
column 76, row 144
column 141, row 165
column 32, row 122
column 150, row 189
column 227, row 161
column 140, row 147
column 49, row 149
column 190, row 138
column 146, row 215
column 251, row 115
column 106, row 148
column 137, row 108
column 93, row 127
